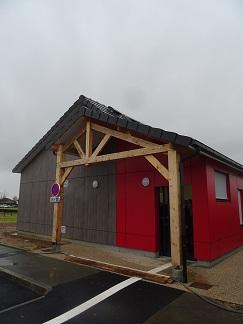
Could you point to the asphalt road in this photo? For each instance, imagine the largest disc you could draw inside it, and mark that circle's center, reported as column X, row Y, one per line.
column 98, row 297
column 141, row 302
column 132, row 305
column 12, row 294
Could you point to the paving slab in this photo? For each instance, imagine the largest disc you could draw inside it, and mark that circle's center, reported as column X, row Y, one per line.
column 112, row 255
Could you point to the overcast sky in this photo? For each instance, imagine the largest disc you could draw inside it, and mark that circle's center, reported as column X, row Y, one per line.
column 174, row 64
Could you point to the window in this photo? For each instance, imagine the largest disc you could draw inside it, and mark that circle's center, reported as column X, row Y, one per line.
column 221, row 186
column 240, row 206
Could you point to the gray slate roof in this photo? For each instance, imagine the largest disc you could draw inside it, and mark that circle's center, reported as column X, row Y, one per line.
column 90, row 108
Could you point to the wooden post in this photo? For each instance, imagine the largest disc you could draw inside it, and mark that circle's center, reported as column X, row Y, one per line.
column 58, row 207
column 175, row 207
column 89, row 143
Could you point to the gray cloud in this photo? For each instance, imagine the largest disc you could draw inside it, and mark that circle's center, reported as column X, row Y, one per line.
column 172, row 64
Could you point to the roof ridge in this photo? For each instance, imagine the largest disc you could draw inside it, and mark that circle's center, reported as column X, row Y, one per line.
column 86, row 107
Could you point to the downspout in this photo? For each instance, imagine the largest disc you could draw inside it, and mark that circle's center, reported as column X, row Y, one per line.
column 183, row 220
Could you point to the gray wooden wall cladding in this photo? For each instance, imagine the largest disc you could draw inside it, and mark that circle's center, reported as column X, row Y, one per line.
column 35, row 211
column 89, row 213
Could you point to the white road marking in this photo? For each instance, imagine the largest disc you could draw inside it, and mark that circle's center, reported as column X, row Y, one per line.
column 93, row 301
column 102, row 296
column 160, row 268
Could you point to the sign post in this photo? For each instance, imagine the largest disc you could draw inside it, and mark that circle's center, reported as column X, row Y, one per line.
column 55, row 191
column 57, row 198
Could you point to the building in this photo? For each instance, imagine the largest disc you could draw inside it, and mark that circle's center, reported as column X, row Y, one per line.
column 120, row 185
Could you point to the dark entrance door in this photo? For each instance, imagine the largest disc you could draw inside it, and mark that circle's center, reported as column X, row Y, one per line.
column 189, row 229
column 164, row 221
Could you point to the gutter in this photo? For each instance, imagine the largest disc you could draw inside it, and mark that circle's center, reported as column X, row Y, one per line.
column 183, row 218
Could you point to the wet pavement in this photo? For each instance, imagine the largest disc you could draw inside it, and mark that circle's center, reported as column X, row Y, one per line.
column 189, row 309
column 73, row 285
column 40, row 268
column 13, row 294
column 152, row 304
column 134, row 304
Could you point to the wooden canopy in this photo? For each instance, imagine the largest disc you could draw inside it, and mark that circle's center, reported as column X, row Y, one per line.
column 88, row 155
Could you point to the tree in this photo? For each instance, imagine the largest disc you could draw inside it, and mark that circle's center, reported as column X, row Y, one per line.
column 3, row 194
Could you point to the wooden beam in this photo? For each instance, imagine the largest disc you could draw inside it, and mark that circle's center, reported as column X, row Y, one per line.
column 76, row 137
column 158, row 166
column 58, row 207
column 146, row 275
column 54, row 147
column 103, row 142
column 175, row 207
column 89, row 139
column 123, row 136
column 78, row 148
column 66, row 174
column 116, row 156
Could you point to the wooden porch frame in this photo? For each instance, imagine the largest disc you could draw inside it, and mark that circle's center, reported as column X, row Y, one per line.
column 147, row 149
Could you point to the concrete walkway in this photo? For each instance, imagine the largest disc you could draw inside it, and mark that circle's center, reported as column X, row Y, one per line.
column 113, row 255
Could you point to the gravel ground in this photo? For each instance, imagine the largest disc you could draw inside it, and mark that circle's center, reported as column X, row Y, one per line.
column 9, row 236
column 226, row 279
column 7, row 228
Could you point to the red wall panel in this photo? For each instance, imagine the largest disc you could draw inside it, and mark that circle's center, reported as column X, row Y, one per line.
column 225, row 229
column 216, row 224
column 137, row 219
column 200, row 208
column 136, row 207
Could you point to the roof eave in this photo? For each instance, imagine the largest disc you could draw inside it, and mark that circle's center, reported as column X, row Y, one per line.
column 85, row 107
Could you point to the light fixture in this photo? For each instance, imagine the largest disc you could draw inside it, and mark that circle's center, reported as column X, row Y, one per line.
column 145, row 182
column 95, row 184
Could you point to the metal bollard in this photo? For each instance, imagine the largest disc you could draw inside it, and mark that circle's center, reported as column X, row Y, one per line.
column 177, row 273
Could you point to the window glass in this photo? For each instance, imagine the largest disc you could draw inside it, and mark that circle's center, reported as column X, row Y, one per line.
column 221, row 186
column 240, row 206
